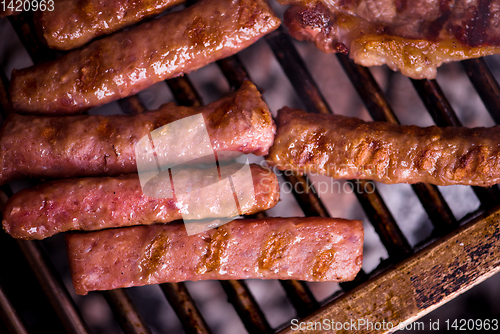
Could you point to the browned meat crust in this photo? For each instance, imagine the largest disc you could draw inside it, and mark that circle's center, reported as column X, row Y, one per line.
column 126, row 62
column 349, row 148
column 97, row 203
column 415, row 37
column 70, row 146
column 309, row 249
column 74, row 23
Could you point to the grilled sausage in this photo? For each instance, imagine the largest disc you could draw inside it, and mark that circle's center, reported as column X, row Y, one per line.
column 105, row 202
column 70, row 146
column 349, row 148
column 130, row 61
column 71, row 24
column 309, row 249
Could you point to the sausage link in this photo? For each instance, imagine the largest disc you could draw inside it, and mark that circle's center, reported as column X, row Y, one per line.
column 349, row 148
column 75, row 23
column 105, row 202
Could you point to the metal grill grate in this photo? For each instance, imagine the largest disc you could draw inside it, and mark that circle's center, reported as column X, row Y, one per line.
column 32, row 255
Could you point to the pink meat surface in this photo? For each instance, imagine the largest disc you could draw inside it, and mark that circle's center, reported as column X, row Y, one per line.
column 104, row 202
column 310, row 249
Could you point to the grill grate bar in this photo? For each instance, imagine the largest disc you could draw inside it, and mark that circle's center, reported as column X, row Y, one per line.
column 296, row 70
column 375, row 101
column 300, row 296
column 442, row 112
column 386, row 227
column 184, row 92
column 382, row 220
column 131, row 105
column 436, row 103
column 53, row 286
column 485, row 84
column 234, row 71
column 130, row 320
column 369, row 90
column 297, row 292
column 181, row 301
column 247, row 308
column 9, row 316
column 306, row 195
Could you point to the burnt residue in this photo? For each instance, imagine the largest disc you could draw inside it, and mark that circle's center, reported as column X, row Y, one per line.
column 438, row 282
column 317, row 16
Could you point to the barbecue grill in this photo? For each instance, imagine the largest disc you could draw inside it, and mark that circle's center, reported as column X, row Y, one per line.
column 409, row 283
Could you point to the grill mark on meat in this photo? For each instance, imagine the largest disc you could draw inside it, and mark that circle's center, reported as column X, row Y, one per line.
column 49, row 134
column 275, row 249
column 222, row 115
column 428, row 159
column 474, row 161
column 105, row 129
column 316, row 141
column 153, row 257
column 372, row 156
column 216, row 244
column 322, row 263
column 261, row 118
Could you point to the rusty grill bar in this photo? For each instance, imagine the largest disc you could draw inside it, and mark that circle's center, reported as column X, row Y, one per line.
column 398, row 248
